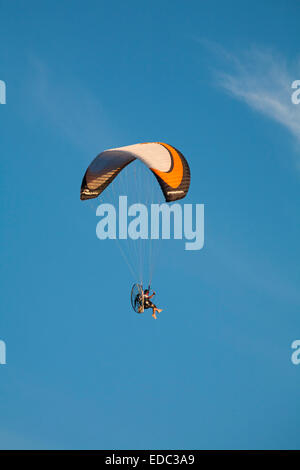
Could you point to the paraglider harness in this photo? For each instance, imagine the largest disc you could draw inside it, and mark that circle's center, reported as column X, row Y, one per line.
column 147, row 301
column 139, row 301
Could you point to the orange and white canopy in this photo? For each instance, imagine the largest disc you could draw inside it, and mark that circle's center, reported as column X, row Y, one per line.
column 166, row 162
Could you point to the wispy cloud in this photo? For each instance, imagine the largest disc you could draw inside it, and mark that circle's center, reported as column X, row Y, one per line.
column 67, row 106
column 262, row 79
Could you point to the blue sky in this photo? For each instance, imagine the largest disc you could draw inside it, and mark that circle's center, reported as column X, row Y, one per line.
column 83, row 371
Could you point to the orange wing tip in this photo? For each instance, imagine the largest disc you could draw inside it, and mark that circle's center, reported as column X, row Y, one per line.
column 174, row 177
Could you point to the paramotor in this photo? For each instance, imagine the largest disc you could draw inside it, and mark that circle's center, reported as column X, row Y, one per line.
column 137, row 298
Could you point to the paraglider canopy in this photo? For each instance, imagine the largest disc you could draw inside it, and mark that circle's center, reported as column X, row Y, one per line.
column 150, row 172
column 166, row 163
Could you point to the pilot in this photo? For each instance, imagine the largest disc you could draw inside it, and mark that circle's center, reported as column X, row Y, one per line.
column 149, row 304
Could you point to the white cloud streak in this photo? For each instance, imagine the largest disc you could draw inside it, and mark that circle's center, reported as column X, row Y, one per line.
column 263, row 80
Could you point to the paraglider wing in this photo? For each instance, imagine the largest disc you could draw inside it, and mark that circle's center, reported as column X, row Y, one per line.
column 167, row 164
